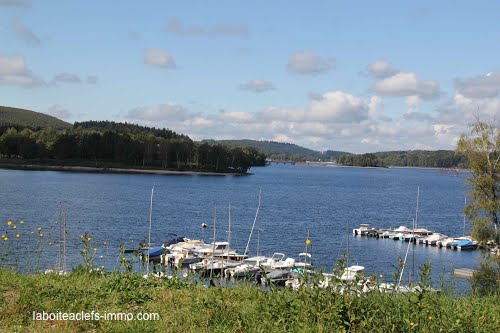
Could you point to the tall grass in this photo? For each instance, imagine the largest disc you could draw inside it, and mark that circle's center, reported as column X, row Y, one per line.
column 187, row 307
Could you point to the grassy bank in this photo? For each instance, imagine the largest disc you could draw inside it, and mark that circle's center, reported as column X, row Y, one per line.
column 242, row 308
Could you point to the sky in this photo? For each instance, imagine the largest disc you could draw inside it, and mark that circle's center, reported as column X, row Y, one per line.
column 357, row 76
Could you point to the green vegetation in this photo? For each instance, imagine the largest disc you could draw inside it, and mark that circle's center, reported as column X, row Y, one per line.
column 186, row 307
column 482, row 148
column 279, row 151
column 412, row 158
column 20, row 118
column 110, row 144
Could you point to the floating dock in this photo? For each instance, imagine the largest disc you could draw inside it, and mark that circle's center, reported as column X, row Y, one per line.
column 417, row 236
column 464, row 272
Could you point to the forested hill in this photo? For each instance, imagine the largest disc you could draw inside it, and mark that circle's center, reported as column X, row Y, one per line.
column 108, row 144
column 128, row 128
column 279, row 151
column 412, row 158
column 24, row 118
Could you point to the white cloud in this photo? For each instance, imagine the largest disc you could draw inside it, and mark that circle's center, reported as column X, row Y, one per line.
column 333, row 120
column 276, row 113
column 13, row 71
column 159, row 58
column 381, row 69
column 481, row 86
column 309, row 63
column 67, row 78
column 257, row 86
column 24, row 33
column 407, row 84
column 338, row 106
column 413, row 112
column 375, row 106
column 236, row 116
column 59, row 112
column 220, row 29
column 281, row 138
column 163, row 112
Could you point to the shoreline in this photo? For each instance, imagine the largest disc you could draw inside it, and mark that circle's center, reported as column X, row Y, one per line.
column 314, row 164
column 84, row 169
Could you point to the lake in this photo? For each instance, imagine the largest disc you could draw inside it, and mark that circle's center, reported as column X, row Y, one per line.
column 296, row 200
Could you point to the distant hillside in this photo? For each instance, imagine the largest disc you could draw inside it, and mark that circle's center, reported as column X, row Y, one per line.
column 281, row 151
column 410, row 158
column 25, row 118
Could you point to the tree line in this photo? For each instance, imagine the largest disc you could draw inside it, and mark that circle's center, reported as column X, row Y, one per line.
column 416, row 158
column 108, row 143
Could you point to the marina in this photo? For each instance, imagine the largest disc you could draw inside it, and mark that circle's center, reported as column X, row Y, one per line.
column 417, row 236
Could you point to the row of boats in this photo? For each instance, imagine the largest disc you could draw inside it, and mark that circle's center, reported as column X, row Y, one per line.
column 417, row 236
column 217, row 259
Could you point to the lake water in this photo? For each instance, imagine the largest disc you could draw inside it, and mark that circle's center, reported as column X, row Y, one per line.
column 296, row 200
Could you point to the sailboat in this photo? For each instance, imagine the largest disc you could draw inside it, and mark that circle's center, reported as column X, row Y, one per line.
column 60, row 267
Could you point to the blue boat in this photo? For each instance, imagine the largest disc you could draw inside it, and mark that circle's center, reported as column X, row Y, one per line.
column 466, row 245
column 154, row 252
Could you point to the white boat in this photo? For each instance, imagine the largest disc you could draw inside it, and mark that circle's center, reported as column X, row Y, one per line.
column 353, row 273
column 248, row 267
column 212, row 266
column 432, row 239
column 278, row 261
column 304, row 262
column 218, row 250
column 364, row 229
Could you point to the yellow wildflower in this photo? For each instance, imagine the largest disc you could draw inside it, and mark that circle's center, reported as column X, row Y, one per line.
column 102, row 267
column 381, row 276
column 9, row 223
column 14, row 226
column 6, row 238
column 18, row 235
column 123, row 258
column 430, row 318
column 41, row 235
column 89, row 239
column 104, row 243
column 81, row 236
column 38, row 229
column 21, row 222
column 95, row 249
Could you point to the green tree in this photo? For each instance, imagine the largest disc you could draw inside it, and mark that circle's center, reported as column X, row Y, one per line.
column 482, row 150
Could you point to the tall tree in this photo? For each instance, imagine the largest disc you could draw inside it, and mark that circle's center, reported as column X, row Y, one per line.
column 482, row 149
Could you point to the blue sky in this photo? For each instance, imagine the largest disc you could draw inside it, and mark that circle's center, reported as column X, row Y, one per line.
column 359, row 76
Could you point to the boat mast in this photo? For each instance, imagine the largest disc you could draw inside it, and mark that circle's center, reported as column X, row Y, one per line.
column 414, row 227
column 229, row 232
column 64, row 239
column 213, row 247
column 465, row 205
column 253, row 226
column 347, row 253
column 307, row 244
column 150, row 222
